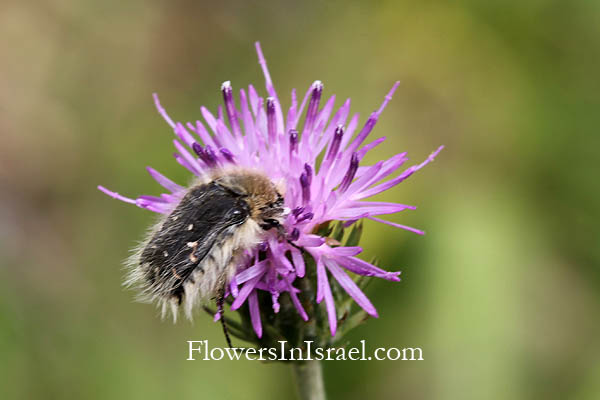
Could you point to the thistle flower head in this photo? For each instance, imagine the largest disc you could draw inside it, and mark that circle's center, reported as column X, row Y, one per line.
column 317, row 153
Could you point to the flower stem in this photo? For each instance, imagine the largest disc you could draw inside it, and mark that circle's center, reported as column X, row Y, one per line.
column 309, row 380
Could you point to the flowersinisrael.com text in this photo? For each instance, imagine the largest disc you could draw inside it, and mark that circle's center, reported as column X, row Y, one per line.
column 200, row 350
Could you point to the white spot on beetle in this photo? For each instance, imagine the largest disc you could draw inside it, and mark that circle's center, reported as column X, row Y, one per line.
column 190, row 227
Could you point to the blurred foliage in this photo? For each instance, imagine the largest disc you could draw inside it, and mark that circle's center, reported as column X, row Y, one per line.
column 502, row 293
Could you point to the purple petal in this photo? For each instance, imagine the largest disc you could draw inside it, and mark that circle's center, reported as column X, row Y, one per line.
column 309, row 240
column 393, row 182
column 298, row 262
column 255, row 313
column 325, row 292
column 345, row 251
column 278, row 256
column 164, row 181
column 364, row 268
column 252, row 272
column 156, row 206
column 189, row 159
column 115, row 195
column 408, row 228
column 364, row 150
column 296, row 301
column 291, row 117
column 233, row 287
column 320, row 283
column 162, row 111
column 269, row 86
column 246, row 115
column 350, row 287
column 372, row 121
column 245, row 292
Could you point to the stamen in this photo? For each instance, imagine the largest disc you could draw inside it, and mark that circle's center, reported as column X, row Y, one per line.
column 350, row 173
column 309, row 173
column 293, row 140
column 227, row 154
column 304, row 182
column 210, row 155
column 335, row 143
column 297, row 211
column 271, row 122
column 206, row 154
column 198, row 149
column 365, row 131
column 295, row 235
column 306, row 217
column 230, row 108
column 313, row 106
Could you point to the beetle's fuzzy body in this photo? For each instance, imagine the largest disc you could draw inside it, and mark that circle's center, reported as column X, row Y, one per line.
column 194, row 251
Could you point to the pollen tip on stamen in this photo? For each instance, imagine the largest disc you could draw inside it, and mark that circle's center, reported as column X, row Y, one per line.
column 313, row 106
column 295, row 235
column 335, row 142
column 226, row 85
column 227, row 154
column 210, row 154
column 372, row 120
column 306, row 217
column 271, row 122
column 198, row 149
column 304, row 180
column 293, row 140
column 309, row 173
column 270, row 106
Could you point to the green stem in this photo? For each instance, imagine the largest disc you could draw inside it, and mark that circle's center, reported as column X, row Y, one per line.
column 309, row 380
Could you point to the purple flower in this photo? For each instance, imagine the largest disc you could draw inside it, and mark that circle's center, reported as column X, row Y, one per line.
column 259, row 134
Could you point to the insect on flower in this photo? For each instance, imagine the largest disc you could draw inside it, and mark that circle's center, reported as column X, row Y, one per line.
column 263, row 187
column 195, row 250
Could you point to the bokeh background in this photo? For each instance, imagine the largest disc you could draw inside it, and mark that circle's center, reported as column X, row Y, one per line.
column 502, row 293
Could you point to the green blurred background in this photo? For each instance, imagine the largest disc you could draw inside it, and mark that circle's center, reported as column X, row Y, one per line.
column 502, row 294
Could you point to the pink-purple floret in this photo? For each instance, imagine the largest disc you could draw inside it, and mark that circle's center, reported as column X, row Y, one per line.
column 260, row 137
